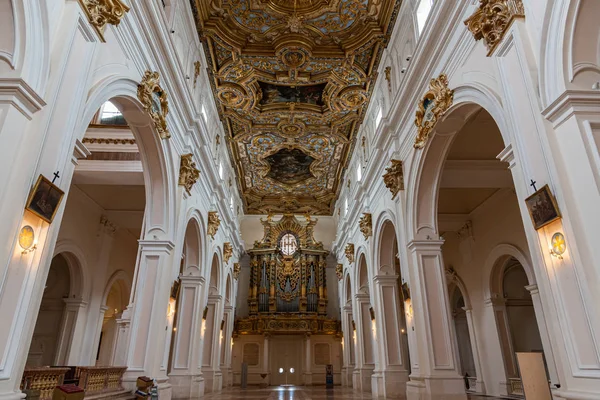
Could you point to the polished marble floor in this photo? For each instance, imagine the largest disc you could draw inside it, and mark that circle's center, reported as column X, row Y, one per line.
column 298, row 393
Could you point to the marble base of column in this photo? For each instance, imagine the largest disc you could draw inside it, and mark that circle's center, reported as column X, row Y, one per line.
column 308, row 381
column 361, row 378
column 377, row 385
column 12, row 396
column 394, row 383
column 436, row 388
column 187, row 386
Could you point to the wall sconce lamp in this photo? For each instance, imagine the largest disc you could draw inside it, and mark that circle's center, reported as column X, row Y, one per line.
column 353, row 326
column 372, row 313
column 27, row 240
column 205, row 313
column 222, row 324
column 558, row 245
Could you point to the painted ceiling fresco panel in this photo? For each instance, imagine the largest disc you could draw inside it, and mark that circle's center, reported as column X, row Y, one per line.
column 292, row 81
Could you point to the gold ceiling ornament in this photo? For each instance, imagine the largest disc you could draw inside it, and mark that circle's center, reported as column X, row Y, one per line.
column 349, row 250
column 394, row 177
column 339, row 271
column 366, row 225
column 492, row 19
column 197, row 65
column 431, row 108
column 273, row 230
column 213, row 223
column 102, row 12
column 188, row 173
column 295, row 76
column 227, row 252
column 154, row 100
column 237, row 268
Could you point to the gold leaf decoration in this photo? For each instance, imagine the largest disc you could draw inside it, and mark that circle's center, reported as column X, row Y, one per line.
column 431, row 108
column 188, row 173
column 394, row 178
column 102, row 12
column 154, row 100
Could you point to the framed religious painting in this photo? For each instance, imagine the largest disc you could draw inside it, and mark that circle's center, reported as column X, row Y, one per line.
column 44, row 199
column 542, row 207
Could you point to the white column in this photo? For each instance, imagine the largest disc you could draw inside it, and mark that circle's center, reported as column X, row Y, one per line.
column 365, row 360
column 543, row 328
column 119, row 357
column 391, row 374
column 185, row 376
column 475, row 350
column 348, row 346
column 308, row 360
column 266, row 362
column 149, row 320
column 438, row 376
column 71, row 332
column 99, row 325
column 211, row 356
column 227, row 337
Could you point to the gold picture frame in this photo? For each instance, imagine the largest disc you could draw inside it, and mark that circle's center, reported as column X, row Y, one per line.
column 542, row 207
column 45, row 199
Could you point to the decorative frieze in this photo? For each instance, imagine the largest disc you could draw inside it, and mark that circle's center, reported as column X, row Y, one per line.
column 492, row 19
column 154, row 100
column 127, row 141
column 339, row 271
column 227, row 252
column 213, row 223
column 431, row 108
column 188, row 173
column 366, row 225
column 394, row 177
column 102, row 12
column 237, row 268
column 350, row 252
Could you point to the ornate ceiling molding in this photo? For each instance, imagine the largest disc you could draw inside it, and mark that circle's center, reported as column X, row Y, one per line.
column 188, row 173
column 394, row 177
column 431, row 108
column 366, row 225
column 154, row 100
column 102, row 12
column 292, row 81
column 349, row 250
column 492, row 19
column 213, row 223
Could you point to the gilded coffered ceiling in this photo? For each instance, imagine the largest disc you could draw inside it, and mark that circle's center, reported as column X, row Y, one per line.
column 292, row 80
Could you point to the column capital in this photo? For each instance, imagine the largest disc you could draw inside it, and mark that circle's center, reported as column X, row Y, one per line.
column 73, row 304
column 494, row 301
column 386, row 279
column 156, row 246
column 214, row 298
column 425, row 245
column 192, row 279
column 533, row 289
column 362, row 297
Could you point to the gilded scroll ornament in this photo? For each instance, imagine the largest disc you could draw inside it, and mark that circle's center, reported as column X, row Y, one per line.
column 213, row 223
column 154, row 100
column 350, row 252
column 102, row 12
column 492, row 19
column 388, row 77
column 227, row 252
column 366, row 225
column 339, row 271
column 197, row 65
column 188, row 173
column 236, row 270
column 394, row 178
column 431, row 108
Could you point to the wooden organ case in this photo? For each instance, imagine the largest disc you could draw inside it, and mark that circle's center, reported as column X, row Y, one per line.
column 288, row 281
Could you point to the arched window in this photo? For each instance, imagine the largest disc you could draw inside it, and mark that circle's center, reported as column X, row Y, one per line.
column 110, row 115
column 358, row 172
column 288, row 244
column 422, row 13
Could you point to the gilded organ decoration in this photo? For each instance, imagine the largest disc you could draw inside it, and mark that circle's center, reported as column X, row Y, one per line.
column 154, row 100
column 213, row 223
column 292, row 81
column 349, row 250
column 102, row 12
column 394, row 178
column 492, row 19
column 431, row 108
column 366, row 225
column 188, row 173
column 227, row 252
column 288, row 280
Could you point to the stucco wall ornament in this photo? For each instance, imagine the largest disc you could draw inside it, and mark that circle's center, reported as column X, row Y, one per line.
column 394, row 177
column 432, row 107
column 155, row 102
column 350, row 252
column 339, row 271
column 102, row 12
column 492, row 19
column 366, row 225
column 188, row 173
column 213, row 223
column 227, row 252
column 237, row 268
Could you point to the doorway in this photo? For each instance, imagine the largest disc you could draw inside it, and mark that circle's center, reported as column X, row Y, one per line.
column 286, row 360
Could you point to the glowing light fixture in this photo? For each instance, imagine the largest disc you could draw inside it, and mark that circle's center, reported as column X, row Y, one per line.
column 559, row 245
column 27, row 239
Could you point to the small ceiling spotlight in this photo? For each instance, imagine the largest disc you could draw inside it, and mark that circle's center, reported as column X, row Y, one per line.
column 559, row 245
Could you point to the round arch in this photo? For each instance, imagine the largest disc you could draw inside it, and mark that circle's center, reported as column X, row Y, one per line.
column 362, row 273
column 214, row 273
column 120, row 278
column 192, row 246
column 386, row 245
column 78, row 270
column 496, row 263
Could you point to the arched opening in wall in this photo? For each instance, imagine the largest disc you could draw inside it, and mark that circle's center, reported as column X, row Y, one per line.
column 466, row 196
column 367, row 333
column 212, row 330
column 116, row 301
column 463, row 337
column 396, row 346
column 49, row 342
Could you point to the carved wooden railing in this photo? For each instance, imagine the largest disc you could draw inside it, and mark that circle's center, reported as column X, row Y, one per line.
column 516, row 387
column 44, row 379
column 97, row 380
